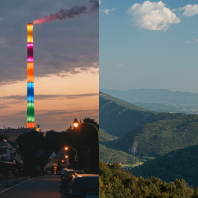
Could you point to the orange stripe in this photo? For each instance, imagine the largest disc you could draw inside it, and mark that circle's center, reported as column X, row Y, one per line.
column 30, row 72
column 30, row 124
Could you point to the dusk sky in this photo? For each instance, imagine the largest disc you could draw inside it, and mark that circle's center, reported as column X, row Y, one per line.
column 66, row 67
column 148, row 44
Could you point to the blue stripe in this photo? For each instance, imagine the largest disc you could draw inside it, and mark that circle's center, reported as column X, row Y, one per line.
column 30, row 92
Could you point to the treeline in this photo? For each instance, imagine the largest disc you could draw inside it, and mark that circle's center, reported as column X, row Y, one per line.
column 84, row 139
column 116, row 183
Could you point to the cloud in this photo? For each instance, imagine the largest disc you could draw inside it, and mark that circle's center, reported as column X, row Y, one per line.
column 106, row 11
column 58, row 47
column 53, row 119
column 186, row 41
column 152, row 15
column 120, row 65
column 2, row 41
column 196, row 40
column 100, row 2
column 189, row 10
column 44, row 97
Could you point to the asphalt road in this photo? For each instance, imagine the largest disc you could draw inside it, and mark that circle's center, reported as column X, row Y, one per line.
column 40, row 187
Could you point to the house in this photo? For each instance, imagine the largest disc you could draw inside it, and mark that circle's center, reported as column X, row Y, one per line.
column 9, row 156
column 8, row 152
column 60, row 161
column 50, row 156
column 45, row 156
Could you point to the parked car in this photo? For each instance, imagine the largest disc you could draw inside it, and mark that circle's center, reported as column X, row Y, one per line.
column 49, row 172
column 64, row 171
column 84, row 186
column 67, row 178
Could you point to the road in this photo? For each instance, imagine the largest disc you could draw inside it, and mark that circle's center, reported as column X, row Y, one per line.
column 40, row 187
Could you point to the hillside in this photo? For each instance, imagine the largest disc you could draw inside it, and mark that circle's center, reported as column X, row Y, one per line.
column 180, row 164
column 173, row 108
column 117, row 117
column 106, row 137
column 160, row 100
column 108, row 155
column 160, row 137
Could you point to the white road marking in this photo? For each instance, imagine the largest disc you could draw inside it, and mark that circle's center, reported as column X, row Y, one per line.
column 15, row 186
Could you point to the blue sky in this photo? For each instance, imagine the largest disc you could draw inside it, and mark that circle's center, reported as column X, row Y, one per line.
column 158, row 53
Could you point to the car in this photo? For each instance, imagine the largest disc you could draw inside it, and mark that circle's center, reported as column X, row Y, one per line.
column 67, row 177
column 84, row 186
column 64, row 171
column 49, row 172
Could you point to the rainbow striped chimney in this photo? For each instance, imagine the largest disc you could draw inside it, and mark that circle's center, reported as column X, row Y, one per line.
column 30, row 78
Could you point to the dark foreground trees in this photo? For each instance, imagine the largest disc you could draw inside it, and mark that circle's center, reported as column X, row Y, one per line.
column 116, row 183
column 83, row 138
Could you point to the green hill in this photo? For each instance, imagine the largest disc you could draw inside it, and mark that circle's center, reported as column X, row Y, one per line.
column 160, row 137
column 108, row 155
column 122, row 103
column 106, row 137
column 117, row 117
column 160, row 100
column 178, row 164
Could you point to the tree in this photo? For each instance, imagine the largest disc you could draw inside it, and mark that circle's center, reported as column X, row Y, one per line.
column 3, row 136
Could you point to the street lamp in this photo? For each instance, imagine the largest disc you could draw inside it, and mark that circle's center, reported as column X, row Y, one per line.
column 76, row 123
column 76, row 156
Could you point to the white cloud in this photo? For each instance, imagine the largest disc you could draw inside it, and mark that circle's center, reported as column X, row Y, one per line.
column 106, row 11
column 186, row 41
column 100, row 2
column 196, row 40
column 120, row 65
column 190, row 10
column 152, row 15
column 2, row 41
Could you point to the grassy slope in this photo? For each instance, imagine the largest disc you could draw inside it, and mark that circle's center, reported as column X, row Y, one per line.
column 123, row 103
column 160, row 137
column 108, row 155
column 180, row 164
column 117, row 117
column 106, row 137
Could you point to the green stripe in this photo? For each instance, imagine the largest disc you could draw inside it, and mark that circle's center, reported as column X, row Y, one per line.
column 30, row 112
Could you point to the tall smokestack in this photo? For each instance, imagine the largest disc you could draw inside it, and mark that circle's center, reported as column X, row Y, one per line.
column 30, row 78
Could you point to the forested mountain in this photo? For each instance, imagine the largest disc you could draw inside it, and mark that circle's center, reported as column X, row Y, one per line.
column 160, row 100
column 160, row 137
column 177, row 164
column 108, row 155
column 117, row 117
column 106, row 137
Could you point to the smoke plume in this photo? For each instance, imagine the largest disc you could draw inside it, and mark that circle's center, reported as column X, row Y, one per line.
column 70, row 13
